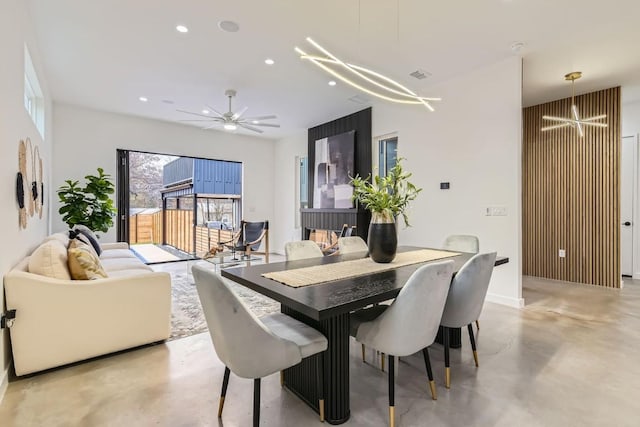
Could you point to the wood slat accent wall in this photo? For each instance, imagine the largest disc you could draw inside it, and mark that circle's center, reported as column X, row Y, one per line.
column 571, row 193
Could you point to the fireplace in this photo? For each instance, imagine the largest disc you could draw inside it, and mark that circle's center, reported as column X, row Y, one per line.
column 334, row 219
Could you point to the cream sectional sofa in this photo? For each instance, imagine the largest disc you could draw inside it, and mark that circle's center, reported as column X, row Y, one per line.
column 60, row 320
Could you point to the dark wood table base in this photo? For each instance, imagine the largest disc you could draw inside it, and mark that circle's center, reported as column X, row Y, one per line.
column 455, row 337
column 300, row 379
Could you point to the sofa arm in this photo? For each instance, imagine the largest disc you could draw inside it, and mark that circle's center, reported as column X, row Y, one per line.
column 63, row 321
column 116, row 245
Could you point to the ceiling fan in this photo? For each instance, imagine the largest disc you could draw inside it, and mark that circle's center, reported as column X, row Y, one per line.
column 230, row 120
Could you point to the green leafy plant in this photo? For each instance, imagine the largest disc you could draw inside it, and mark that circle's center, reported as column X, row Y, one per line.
column 387, row 196
column 89, row 205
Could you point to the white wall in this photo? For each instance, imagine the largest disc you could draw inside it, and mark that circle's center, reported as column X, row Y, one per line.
column 15, row 124
column 283, row 228
column 473, row 140
column 87, row 139
column 631, row 127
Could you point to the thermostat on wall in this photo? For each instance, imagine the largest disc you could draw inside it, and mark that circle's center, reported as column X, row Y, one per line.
column 444, row 185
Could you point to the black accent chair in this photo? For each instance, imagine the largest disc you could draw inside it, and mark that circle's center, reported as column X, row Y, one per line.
column 248, row 239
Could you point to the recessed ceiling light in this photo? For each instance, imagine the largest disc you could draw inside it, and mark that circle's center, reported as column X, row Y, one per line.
column 182, row 29
column 143, row 99
column 255, row 122
column 228, row 26
column 332, row 83
column 205, row 111
column 269, row 61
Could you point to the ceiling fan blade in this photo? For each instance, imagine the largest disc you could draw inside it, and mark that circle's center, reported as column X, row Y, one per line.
column 237, row 115
column 196, row 114
column 211, row 127
column 250, row 127
column 269, row 125
column 214, row 110
column 261, row 118
column 210, row 119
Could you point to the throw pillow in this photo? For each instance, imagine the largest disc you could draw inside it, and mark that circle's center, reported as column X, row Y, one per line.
column 50, row 260
column 81, row 241
column 91, row 236
column 84, row 264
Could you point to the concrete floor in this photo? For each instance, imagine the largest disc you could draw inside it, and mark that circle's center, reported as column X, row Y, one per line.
column 569, row 358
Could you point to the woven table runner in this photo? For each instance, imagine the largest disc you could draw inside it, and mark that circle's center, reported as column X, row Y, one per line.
column 343, row 270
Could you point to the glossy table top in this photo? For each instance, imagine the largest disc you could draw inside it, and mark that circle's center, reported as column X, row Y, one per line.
column 328, row 299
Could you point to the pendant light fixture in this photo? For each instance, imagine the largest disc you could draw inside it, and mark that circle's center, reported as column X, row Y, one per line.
column 574, row 121
column 364, row 79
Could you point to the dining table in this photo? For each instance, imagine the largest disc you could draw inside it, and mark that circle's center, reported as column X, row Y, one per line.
column 326, row 306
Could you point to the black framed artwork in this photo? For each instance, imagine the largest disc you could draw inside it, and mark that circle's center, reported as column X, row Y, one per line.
column 333, row 169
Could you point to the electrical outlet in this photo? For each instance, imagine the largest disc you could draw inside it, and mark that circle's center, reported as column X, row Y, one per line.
column 561, row 253
column 496, row 211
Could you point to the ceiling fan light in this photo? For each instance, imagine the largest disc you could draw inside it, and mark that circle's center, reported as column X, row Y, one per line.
column 230, row 126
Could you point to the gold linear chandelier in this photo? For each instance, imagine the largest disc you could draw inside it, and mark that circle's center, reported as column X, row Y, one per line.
column 574, row 121
column 379, row 86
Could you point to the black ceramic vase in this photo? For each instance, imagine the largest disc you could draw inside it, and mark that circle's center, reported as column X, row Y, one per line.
column 383, row 239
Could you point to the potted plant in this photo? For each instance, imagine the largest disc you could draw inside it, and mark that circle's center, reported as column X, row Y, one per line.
column 387, row 198
column 90, row 205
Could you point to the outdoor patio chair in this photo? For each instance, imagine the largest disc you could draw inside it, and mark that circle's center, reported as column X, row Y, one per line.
column 248, row 239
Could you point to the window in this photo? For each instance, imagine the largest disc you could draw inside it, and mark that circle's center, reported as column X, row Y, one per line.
column 302, row 187
column 387, row 148
column 33, row 98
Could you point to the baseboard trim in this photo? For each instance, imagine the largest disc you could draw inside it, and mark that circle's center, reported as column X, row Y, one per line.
column 509, row 301
column 4, row 383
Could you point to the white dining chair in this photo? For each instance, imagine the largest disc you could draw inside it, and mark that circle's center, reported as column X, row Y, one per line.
column 409, row 324
column 463, row 243
column 465, row 300
column 251, row 347
column 302, row 249
column 352, row 244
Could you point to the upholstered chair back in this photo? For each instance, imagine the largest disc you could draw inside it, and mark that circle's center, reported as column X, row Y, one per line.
column 352, row 244
column 239, row 337
column 411, row 322
column 302, row 250
column 468, row 291
column 462, row 243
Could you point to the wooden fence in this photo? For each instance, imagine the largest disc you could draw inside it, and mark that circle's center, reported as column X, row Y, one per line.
column 147, row 228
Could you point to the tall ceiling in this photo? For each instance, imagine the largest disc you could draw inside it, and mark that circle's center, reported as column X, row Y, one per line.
column 106, row 54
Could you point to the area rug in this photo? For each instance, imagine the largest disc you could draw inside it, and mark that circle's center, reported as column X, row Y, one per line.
column 186, row 312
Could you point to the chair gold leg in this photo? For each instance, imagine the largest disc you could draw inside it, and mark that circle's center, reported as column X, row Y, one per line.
column 281, row 378
column 477, row 324
column 363, row 358
column 220, row 406
column 475, row 357
column 392, row 416
column 382, row 361
column 434, row 393
column 321, row 410
column 447, row 377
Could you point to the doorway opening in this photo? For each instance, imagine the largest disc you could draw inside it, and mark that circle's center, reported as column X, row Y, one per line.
column 174, row 208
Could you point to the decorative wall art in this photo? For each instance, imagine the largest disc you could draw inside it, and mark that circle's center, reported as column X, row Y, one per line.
column 29, row 182
column 334, row 164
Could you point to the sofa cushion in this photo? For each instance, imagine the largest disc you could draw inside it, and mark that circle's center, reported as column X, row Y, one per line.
column 50, row 260
column 84, row 264
column 62, row 237
column 115, row 264
column 117, row 253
